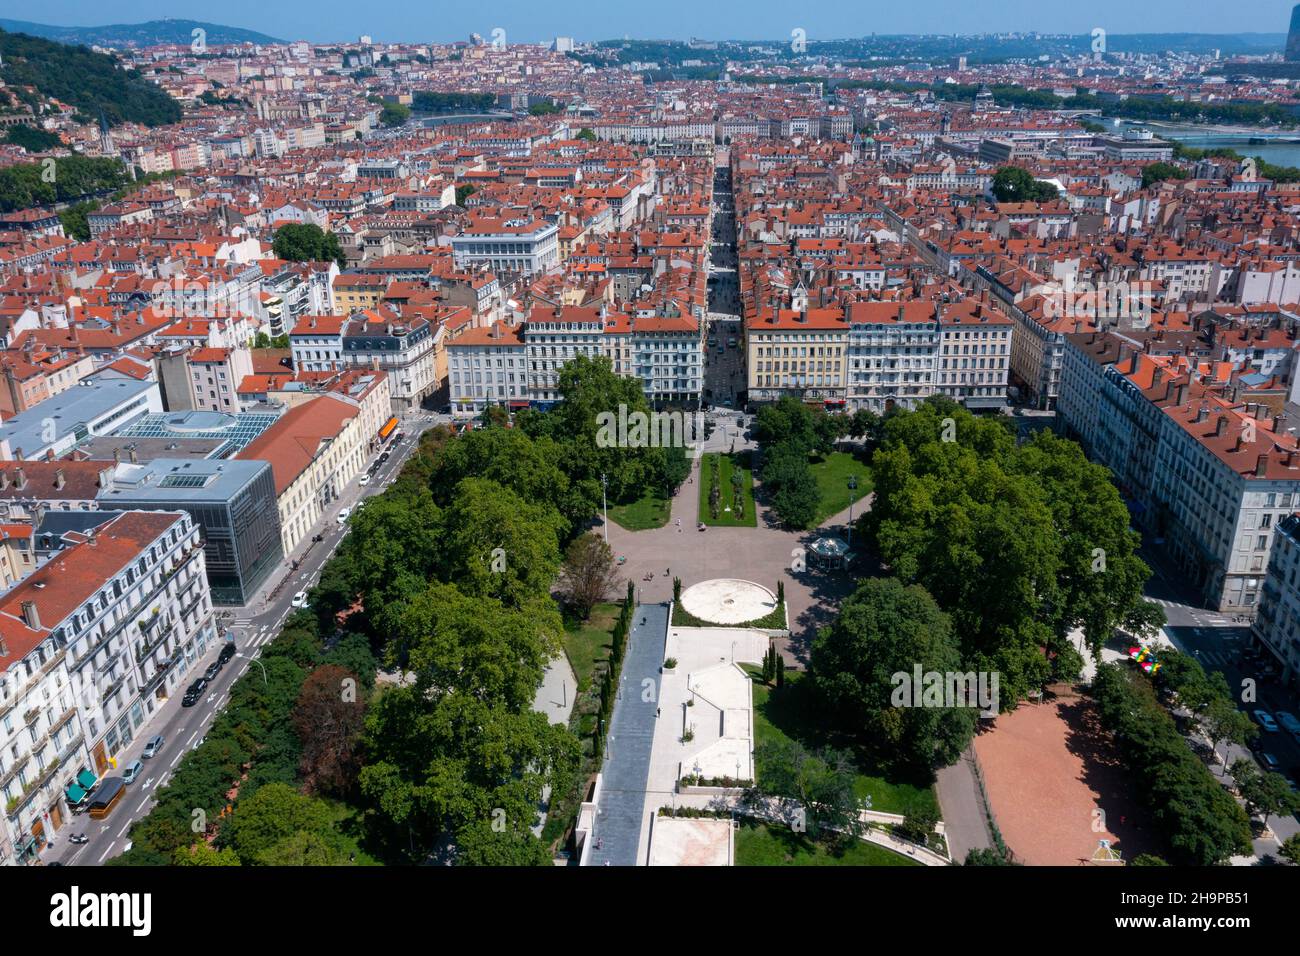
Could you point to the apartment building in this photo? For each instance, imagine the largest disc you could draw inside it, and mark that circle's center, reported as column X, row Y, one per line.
column 214, row 377
column 315, row 449
column 555, row 335
column 488, row 366
column 1276, row 627
column 1205, row 474
column 527, row 246
column 91, row 644
column 797, row 352
column 316, row 343
column 405, row 349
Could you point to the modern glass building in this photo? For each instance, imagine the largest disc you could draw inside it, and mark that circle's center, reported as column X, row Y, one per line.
column 233, row 502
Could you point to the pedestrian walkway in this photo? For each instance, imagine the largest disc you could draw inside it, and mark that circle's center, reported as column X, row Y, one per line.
column 621, row 809
column 962, row 806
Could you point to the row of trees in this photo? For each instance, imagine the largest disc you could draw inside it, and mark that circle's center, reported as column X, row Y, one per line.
column 25, row 185
column 252, row 792
column 789, row 431
column 1201, row 821
column 1020, row 544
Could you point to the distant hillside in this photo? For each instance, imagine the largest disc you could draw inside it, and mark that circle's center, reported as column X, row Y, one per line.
column 150, row 33
column 91, row 82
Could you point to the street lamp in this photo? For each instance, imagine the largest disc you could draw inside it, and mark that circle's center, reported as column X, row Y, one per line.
column 853, row 487
column 254, row 660
column 604, row 505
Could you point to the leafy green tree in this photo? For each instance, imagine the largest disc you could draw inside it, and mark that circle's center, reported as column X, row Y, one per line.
column 307, row 242
column 1224, row 722
column 481, row 843
column 1202, row 823
column 204, row 854
column 1159, row 172
column 437, row 765
column 394, row 114
column 1147, row 859
column 1266, row 794
column 463, row 193
column 863, row 662
column 1013, row 184
column 818, row 785
column 496, row 544
column 790, row 485
column 271, row 815
column 1291, row 849
column 986, row 856
column 586, row 134
column 477, row 645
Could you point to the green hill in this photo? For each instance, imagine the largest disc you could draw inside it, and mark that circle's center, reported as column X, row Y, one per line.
column 92, row 82
column 150, row 33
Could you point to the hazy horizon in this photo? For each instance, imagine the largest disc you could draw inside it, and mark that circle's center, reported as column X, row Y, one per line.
column 332, row 20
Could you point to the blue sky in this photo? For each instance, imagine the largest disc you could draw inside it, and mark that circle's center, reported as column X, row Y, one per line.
column 531, row 20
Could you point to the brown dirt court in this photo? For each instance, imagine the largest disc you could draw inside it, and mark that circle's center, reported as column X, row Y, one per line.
column 1048, row 767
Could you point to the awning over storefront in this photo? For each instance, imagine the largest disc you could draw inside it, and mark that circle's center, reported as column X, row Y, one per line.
column 75, row 794
column 87, row 779
column 519, row 403
column 388, row 428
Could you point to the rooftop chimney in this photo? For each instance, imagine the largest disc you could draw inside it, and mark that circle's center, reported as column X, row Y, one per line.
column 59, row 480
column 1221, row 426
column 31, row 617
column 1261, row 466
column 20, row 479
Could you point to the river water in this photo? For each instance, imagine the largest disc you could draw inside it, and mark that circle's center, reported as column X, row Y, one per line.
column 1281, row 149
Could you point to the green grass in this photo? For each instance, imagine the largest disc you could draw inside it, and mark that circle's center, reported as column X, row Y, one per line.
column 788, row 714
column 586, row 642
column 727, row 464
column 832, row 473
column 348, row 821
column 651, row 510
column 760, row 844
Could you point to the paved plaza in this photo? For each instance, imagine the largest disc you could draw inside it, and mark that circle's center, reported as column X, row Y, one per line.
column 764, row 555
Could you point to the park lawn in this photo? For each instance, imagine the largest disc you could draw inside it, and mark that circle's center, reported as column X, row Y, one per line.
column 786, row 715
column 349, row 823
column 728, row 463
column 761, row 844
column 588, row 642
column 651, row 510
column 832, row 473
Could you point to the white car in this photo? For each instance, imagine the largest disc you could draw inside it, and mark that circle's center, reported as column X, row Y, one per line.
column 343, row 515
column 365, row 480
column 299, row 599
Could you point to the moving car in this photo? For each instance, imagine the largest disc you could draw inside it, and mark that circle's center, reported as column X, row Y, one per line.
column 299, row 599
column 1265, row 720
column 132, row 771
column 193, row 693
column 343, row 515
column 1289, row 723
column 154, row 744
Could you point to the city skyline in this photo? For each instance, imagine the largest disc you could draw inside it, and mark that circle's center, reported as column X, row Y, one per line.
column 678, row 20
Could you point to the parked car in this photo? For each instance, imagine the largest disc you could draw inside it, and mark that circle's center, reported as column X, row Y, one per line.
column 343, row 515
column 299, row 599
column 153, row 745
column 1289, row 723
column 227, row 652
column 1265, row 720
column 213, row 670
column 1270, row 762
column 134, row 770
column 365, row 480
column 384, row 457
